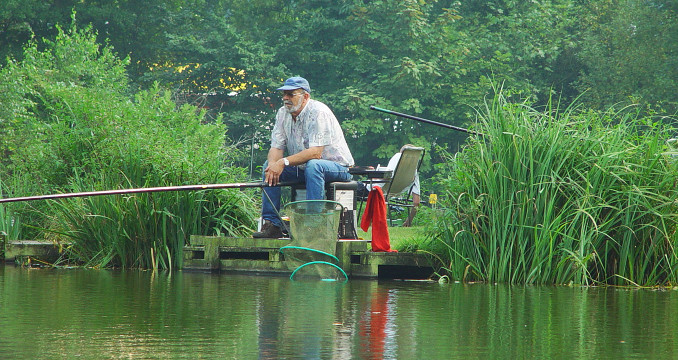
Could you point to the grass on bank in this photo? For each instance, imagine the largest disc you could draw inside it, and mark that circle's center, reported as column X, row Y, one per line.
column 402, row 238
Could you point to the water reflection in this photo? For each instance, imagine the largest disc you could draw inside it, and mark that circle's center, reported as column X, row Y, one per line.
column 134, row 314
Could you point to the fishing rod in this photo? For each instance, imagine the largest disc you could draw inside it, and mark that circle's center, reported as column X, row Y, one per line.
column 425, row 120
column 245, row 185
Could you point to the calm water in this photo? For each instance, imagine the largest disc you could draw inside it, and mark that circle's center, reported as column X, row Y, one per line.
column 96, row 314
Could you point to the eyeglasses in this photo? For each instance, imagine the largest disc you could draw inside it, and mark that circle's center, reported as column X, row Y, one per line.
column 291, row 93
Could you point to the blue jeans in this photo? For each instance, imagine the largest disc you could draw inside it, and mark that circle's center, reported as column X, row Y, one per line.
column 316, row 174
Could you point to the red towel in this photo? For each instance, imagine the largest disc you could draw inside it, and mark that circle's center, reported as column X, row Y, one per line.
column 375, row 213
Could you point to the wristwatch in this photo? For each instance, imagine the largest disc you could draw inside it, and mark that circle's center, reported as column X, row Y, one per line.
column 286, row 162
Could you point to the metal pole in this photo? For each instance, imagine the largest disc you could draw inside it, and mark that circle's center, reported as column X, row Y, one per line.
column 252, row 157
column 425, row 120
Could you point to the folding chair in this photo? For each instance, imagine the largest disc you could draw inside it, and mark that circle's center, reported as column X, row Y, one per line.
column 397, row 190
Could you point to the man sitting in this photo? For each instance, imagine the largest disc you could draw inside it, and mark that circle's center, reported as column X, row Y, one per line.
column 316, row 152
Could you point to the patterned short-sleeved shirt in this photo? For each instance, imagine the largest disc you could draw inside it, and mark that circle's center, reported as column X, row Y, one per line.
column 316, row 125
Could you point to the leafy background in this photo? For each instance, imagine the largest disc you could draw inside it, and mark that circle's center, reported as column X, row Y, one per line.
column 132, row 93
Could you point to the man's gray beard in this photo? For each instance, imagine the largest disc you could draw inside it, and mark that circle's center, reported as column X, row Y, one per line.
column 293, row 108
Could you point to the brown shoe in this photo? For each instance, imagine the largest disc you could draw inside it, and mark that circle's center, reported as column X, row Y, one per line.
column 269, row 231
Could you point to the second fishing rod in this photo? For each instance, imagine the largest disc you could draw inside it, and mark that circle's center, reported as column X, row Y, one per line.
column 426, row 121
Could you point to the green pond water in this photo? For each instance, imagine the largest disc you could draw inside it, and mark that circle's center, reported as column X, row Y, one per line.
column 101, row 314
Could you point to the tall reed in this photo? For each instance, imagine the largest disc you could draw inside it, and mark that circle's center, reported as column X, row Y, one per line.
column 557, row 197
column 10, row 224
column 77, row 125
column 146, row 230
column 12, row 215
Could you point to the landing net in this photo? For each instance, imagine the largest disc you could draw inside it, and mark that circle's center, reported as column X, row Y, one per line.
column 314, row 228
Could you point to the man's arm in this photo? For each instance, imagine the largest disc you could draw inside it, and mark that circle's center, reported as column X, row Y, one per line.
column 305, row 155
column 276, row 164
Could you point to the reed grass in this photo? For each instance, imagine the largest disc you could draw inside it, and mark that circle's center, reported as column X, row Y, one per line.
column 10, row 224
column 77, row 125
column 145, row 230
column 12, row 215
column 558, row 197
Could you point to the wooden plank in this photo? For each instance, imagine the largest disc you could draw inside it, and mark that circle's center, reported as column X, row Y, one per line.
column 262, row 256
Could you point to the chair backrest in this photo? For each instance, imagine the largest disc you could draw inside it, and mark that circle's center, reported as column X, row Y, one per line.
column 405, row 172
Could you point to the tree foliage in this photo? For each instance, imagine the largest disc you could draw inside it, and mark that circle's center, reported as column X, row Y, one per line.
column 70, row 123
column 630, row 53
column 77, row 107
column 437, row 59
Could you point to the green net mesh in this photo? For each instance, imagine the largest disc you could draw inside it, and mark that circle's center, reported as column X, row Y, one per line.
column 314, row 228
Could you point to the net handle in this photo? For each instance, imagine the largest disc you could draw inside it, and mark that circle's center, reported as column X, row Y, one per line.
column 337, row 205
column 309, row 249
column 320, row 262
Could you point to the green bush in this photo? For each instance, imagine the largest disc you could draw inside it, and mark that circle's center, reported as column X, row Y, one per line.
column 72, row 125
column 555, row 197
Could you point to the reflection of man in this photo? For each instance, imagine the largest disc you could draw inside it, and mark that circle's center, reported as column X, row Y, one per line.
column 316, row 151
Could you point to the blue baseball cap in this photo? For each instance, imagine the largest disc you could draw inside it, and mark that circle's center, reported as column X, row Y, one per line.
column 295, row 82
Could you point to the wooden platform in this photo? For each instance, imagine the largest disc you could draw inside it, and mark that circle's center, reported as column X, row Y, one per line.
column 263, row 256
column 22, row 251
column 260, row 256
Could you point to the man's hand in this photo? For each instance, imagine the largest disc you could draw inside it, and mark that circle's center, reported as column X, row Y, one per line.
column 276, row 164
column 273, row 172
